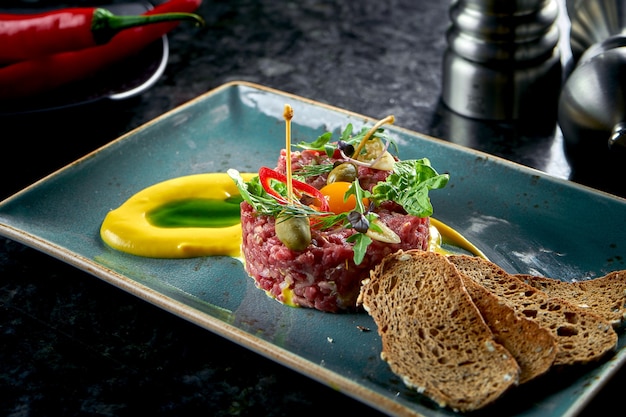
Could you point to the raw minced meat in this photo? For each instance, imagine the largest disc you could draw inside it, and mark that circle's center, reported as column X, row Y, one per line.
column 324, row 276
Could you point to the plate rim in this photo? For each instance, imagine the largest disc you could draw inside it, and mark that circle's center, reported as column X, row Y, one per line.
column 235, row 83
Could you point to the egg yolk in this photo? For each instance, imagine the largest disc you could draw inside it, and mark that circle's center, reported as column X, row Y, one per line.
column 334, row 194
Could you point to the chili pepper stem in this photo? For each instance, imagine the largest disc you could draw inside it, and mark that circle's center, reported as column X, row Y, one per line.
column 105, row 24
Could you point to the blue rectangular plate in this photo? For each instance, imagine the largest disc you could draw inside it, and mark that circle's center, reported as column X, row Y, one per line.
column 523, row 220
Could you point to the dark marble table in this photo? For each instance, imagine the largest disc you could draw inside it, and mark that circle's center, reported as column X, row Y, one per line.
column 72, row 345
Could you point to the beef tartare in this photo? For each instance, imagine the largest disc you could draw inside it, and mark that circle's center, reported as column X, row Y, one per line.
column 315, row 225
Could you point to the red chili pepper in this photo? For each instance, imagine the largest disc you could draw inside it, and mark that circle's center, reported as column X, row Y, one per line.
column 267, row 174
column 27, row 36
column 27, row 78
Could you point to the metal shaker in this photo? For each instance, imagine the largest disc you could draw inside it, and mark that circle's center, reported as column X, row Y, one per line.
column 502, row 60
column 592, row 106
column 593, row 22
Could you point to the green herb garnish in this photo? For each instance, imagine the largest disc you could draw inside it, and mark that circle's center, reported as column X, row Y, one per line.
column 408, row 185
column 263, row 203
column 323, row 142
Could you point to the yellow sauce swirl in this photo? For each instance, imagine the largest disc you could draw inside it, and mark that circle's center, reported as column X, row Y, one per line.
column 446, row 240
column 131, row 228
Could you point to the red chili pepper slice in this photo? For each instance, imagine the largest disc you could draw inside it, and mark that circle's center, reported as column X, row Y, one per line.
column 35, row 76
column 28, row 36
column 267, row 174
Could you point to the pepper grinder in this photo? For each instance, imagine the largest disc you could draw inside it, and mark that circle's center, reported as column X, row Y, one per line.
column 502, row 60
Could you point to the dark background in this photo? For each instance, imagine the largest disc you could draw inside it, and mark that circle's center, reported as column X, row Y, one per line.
column 73, row 345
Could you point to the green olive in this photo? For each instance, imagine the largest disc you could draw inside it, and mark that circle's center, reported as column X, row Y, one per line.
column 293, row 231
column 345, row 171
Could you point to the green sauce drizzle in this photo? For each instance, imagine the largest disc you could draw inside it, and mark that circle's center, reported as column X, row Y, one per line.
column 197, row 212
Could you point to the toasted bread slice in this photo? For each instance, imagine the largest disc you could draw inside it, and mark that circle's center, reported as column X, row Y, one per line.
column 581, row 335
column 433, row 336
column 605, row 296
column 533, row 347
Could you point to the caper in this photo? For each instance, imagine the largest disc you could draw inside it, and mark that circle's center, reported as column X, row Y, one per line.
column 345, row 171
column 293, row 231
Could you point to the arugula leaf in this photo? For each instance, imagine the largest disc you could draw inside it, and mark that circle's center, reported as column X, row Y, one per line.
column 345, row 135
column 361, row 242
column 322, row 143
column 409, row 185
column 359, row 194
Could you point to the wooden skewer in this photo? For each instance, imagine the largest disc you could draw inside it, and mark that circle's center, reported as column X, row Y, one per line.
column 288, row 115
